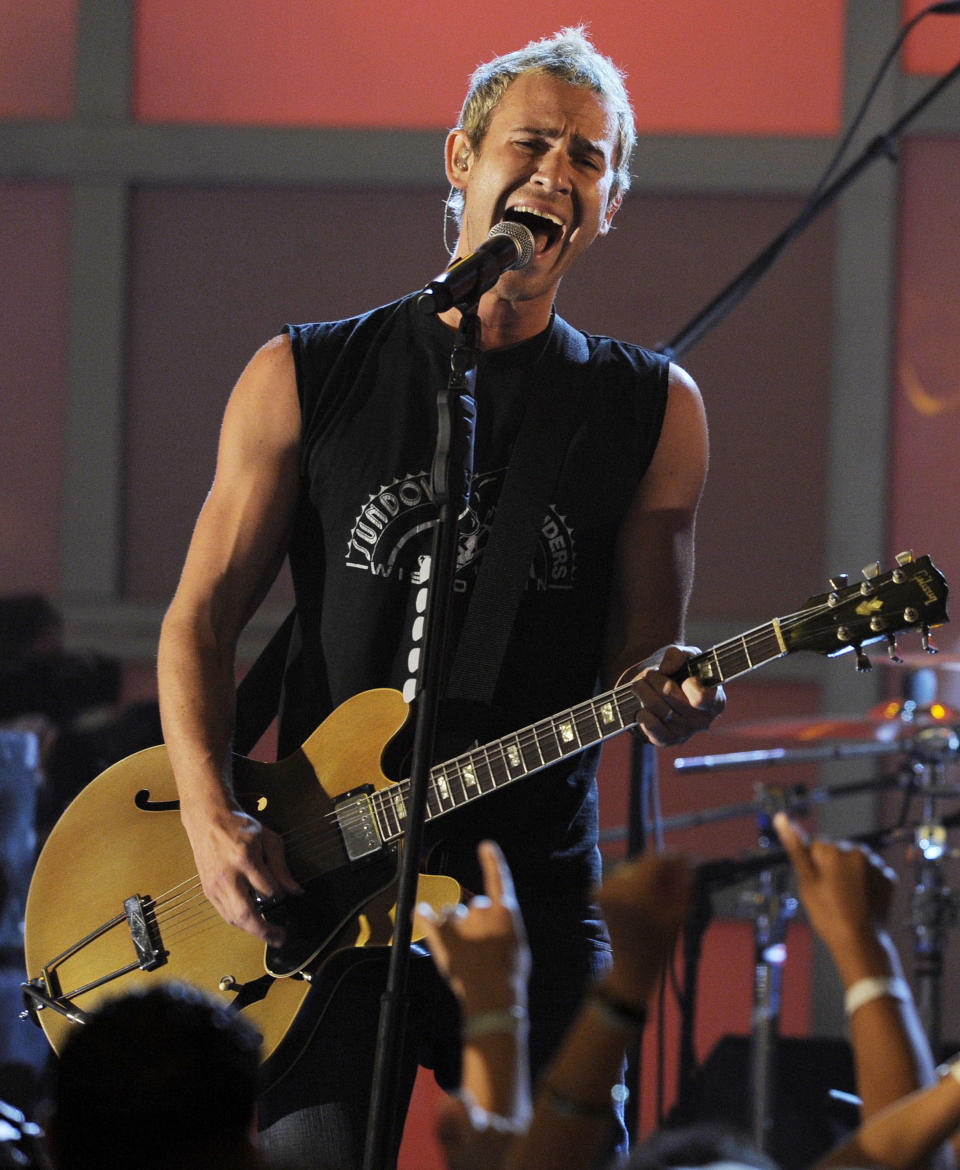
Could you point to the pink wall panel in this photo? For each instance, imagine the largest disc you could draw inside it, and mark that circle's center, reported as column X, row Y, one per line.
column 698, row 67
column 934, row 45
column 34, row 222
column 36, row 58
column 924, row 513
column 925, row 472
column 215, row 272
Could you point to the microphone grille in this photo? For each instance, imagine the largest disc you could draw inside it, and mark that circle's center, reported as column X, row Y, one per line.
column 521, row 235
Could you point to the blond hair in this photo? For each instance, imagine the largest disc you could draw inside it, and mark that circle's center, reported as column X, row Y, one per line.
column 570, row 57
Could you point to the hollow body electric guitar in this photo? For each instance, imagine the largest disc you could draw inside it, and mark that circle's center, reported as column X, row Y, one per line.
column 115, row 903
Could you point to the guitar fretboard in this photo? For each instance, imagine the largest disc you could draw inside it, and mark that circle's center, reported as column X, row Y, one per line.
column 739, row 655
column 482, row 770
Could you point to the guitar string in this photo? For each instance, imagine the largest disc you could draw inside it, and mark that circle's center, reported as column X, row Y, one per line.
column 337, row 820
column 196, row 909
column 191, row 890
column 496, row 754
column 524, row 738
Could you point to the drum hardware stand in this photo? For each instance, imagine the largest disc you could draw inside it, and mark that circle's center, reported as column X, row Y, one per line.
column 933, row 905
column 771, row 909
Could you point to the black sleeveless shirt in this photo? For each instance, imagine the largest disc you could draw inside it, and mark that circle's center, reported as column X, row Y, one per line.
column 368, row 390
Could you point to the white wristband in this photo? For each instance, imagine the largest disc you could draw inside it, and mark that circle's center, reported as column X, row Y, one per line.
column 488, row 1023
column 875, row 987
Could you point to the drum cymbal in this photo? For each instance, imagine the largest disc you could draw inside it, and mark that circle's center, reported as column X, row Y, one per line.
column 883, row 723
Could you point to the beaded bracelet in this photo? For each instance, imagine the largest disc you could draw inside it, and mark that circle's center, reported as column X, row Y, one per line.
column 488, row 1023
column 875, row 987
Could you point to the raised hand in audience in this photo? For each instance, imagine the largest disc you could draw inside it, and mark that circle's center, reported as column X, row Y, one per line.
column 482, row 952
column 846, row 891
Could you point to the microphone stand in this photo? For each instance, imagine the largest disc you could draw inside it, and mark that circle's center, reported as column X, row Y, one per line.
column 881, row 146
column 450, row 478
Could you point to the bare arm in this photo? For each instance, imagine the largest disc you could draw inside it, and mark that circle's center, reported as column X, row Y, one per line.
column 846, row 893
column 906, row 1134
column 482, row 952
column 237, row 547
column 654, row 575
column 644, row 903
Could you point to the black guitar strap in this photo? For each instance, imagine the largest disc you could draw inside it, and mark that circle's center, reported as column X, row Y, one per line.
column 538, row 455
column 258, row 693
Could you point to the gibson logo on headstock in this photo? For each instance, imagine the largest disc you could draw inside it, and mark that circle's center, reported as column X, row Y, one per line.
column 924, row 579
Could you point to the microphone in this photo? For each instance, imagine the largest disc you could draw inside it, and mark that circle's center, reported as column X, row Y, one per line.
column 509, row 245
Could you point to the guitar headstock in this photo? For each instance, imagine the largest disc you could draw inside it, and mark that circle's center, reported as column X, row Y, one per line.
column 913, row 596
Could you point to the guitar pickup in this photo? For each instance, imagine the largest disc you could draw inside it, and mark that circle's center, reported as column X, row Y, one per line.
column 150, row 954
column 358, row 825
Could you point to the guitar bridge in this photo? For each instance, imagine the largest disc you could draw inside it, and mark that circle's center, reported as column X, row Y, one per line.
column 358, row 825
column 150, row 954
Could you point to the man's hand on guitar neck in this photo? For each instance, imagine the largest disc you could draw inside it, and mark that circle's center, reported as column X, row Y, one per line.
column 241, row 865
column 670, row 711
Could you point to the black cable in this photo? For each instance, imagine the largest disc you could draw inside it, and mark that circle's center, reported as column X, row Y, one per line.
column 948, row 6
column 819, row 198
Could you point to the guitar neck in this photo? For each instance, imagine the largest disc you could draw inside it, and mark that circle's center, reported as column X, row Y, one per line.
column 483, row 770
column 737, row 656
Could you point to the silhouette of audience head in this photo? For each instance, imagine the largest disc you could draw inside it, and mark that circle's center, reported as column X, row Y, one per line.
column 699, row 1145
column 163, row 1078
column 29, row 624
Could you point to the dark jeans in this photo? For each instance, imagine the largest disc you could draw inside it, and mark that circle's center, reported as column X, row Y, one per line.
column 315, row 1118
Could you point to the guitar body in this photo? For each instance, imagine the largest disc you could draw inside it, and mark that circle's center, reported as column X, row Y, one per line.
column 115, row 904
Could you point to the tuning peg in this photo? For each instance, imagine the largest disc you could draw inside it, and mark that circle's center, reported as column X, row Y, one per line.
column 925, row 642
column 871, row 571
column 839, row 582
column 905, row 557
column 893, row 651
column 863, row 662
